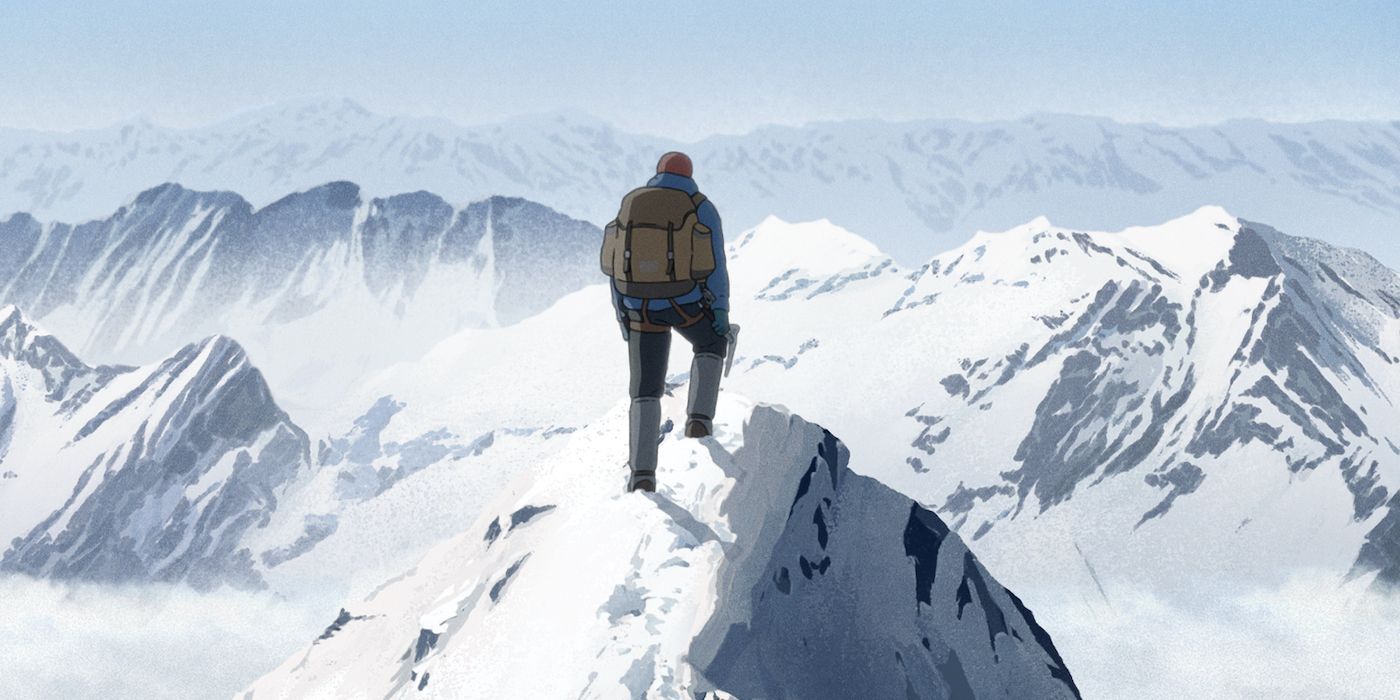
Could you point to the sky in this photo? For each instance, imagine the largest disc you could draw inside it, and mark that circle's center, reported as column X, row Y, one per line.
column 687, row 70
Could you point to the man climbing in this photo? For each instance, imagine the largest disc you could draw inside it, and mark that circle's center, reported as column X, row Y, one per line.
column 665, row 255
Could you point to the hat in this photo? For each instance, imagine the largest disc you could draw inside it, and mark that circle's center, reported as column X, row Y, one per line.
column 676, row 163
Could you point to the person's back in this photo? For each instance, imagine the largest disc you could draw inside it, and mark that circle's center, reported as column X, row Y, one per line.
column 665, row 255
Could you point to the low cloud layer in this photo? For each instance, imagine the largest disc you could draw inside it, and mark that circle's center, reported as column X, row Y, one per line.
column 1306, row 639
column 89, row 641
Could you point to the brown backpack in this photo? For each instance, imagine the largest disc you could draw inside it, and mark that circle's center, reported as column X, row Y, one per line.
column 657, row 247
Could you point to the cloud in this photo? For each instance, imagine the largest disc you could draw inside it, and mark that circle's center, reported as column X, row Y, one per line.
column 60, row 640
column 1307, row 638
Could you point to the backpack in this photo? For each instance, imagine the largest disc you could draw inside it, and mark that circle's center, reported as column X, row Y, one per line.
column 656, row 247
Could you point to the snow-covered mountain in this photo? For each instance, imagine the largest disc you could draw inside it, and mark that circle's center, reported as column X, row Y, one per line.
column 137, row 474
column 1198, row 406
column 1104, row 398
column 187, row 470
column 764, row 567
column 323, row 269
column 1099, row 399
column 1212, row 379
column 914, row 188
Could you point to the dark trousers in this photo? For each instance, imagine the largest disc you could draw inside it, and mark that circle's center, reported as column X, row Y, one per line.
column 649, row 350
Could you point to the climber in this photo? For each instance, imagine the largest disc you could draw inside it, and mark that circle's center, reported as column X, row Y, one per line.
column 665, row 255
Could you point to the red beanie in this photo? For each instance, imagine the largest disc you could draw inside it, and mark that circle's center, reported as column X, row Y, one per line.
column 676, row 163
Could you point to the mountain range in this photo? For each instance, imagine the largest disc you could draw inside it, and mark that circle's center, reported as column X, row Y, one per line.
column 1198, row 405
column 913, row 188
column 1099, row 398
column 324, row 267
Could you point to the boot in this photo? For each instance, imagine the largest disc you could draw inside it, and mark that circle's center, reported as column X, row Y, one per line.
column 705, row 372
column 644, row 434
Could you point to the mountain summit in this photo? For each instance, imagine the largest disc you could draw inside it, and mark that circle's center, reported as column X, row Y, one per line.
column 763, row 567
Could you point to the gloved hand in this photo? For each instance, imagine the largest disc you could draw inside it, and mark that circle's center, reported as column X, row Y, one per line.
column 721, row 321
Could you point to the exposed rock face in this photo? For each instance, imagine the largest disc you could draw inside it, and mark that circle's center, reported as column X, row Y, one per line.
column 821, row 607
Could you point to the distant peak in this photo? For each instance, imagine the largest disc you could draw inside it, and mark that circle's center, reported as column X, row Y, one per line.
column 1213, row 214
column 169, row 186
column 11, row 316
column 569, row 118
column 214, row 346
column 819, row 247
column 10, row 313
column 340, row 194
column 330, row 106
column 219, row 344
column 169, row 191
column 1039, row 224
column 214, row 357
column 139, row 122
column 312, row 108
column 163, row 189
column 22, row 339
column 349, row 105
column 338, row 189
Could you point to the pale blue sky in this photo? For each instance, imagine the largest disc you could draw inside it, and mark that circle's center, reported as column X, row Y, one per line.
column 690, row 69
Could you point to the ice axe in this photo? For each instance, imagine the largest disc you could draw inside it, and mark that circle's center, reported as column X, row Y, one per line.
column 733, row 339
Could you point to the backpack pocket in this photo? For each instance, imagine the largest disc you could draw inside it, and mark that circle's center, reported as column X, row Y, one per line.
column 702, row 251
column 608, row 256
column 649, row 257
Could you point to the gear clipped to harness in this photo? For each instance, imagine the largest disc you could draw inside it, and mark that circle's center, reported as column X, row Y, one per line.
column 657, row 248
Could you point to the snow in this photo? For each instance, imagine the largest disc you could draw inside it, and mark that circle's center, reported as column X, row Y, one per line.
column 602, row 580
column 568, row 587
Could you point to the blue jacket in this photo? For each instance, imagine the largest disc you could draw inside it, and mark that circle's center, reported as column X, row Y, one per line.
column 717, row 282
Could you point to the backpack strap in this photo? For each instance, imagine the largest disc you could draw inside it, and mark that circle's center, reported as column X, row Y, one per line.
column 627, row 254
column 671, row 252
column 697, row 199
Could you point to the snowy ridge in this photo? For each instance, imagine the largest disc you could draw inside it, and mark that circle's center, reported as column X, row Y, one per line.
column 815, row 258
column 744, row 575
column 137, row 474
